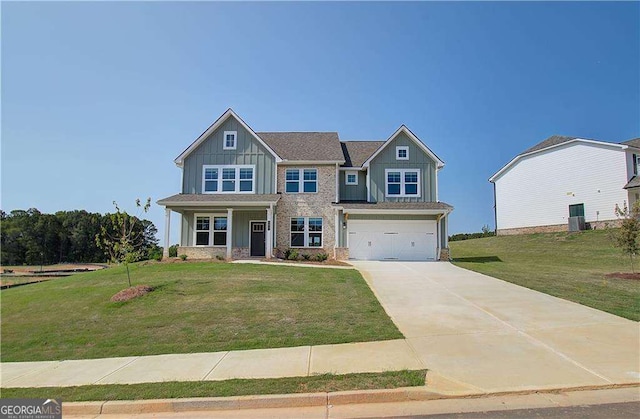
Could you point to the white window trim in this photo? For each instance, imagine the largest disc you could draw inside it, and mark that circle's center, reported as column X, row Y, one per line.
column 300, row 179
column 306, row 232
column 211, row 228
column 237, row 179
column 402, row 193
column 235, row 140
column 346, row 178
column 402, row 147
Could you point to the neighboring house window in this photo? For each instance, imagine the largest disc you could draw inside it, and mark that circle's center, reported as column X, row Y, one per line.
column 576, row 210
column 230, row 140
column 351, row 178
column 208, row 234
column 402, row 152
column 306, row 232
column 228, row 179
column 301, row 180
column 402, row 182
column 636, row 162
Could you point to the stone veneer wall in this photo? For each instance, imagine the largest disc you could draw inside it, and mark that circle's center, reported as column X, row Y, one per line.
column 445, row 255
column 341, row 253
column 202, row 252
column 307, row 205
column 556, row 228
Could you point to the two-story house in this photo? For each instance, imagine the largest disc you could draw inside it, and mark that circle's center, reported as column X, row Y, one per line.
column 563, row 177
column 257, row 194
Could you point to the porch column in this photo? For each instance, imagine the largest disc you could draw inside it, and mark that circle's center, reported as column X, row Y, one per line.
column 337, row 229
column 269, row 236
column 167, row 233
column 229, row 232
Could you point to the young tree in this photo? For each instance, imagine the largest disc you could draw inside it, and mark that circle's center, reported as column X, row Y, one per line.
column 627, row 237
column 122, row 239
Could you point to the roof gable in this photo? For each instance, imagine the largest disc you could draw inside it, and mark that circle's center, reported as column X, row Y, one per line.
column 412, row 137
column 179, row 161
column 305, row 146
column 549, row 144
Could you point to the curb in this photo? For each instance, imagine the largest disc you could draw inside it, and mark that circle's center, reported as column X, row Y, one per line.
column 405, row 394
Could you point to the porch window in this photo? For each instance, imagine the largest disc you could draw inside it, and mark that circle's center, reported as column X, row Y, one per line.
column 306, row 232
column 402, row 182
column 210, row 234
column 228, row 179
column 305, row 180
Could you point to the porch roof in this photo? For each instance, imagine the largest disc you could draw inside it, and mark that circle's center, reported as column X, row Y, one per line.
column 219, row 200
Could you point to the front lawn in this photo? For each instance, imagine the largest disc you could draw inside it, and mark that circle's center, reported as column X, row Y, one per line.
column 567, row 265
column 196, row 307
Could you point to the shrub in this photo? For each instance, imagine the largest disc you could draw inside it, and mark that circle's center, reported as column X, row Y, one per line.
column 183, row 257
column 220, row 257
column 321, row 257
column 292, row 254
column 173, row 251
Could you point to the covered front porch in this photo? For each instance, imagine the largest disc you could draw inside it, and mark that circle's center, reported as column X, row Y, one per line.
column 222, row 226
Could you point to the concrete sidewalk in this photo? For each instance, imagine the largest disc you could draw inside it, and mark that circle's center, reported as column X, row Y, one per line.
column 391, row 355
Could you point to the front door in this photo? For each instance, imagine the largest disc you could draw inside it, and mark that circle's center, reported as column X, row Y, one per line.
column 258, row 238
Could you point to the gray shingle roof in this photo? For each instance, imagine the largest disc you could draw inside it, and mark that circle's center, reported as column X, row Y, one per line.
column 357, row 152
column 551, row 141
column 310, row 146
column 634, row 182
column 218, row 198
column 634, row 142
column 396, row 205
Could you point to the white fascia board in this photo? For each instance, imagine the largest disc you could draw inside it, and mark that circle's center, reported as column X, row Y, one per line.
column 308, row 162
column 416, row 140
column 513, row 161
column 183, row 204
column 352, row 169
column 229, row 113
column 394, row 211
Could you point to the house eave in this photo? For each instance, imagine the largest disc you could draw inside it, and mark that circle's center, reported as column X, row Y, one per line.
column 221, row 204
column 309, row 162
column 394, row 211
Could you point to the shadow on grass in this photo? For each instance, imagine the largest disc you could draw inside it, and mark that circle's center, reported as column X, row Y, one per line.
column 478, row 259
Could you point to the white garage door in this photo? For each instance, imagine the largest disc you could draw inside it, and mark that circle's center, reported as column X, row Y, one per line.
column 401, row 240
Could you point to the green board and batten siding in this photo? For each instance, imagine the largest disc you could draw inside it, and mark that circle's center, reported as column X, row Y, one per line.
column 353, row 192
column 240, row 230
column 418, row 159
column 248, row 151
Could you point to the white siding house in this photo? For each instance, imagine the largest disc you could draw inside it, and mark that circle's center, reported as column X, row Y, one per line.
column 540, row 188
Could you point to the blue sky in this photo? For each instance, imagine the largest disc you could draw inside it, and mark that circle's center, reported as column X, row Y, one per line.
column 99, row 98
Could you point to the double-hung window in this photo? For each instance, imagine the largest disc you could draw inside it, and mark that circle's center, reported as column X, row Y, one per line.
column 402, row 182
column 230, row 140
column 306, row 232
column 228, row 179
column 301, row 180
column 210, row 230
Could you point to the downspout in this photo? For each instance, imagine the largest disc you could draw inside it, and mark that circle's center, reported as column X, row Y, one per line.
column 337, row 183
column 495, row 209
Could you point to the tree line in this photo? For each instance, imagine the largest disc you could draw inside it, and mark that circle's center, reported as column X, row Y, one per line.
column 33, row 238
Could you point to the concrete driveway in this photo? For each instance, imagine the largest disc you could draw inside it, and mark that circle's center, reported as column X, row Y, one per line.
column 495, row 336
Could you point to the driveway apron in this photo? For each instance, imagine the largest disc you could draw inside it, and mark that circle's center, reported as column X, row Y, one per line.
column 497, row 336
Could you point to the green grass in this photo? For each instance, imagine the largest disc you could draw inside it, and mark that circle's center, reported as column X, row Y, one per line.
column 567, row 265
column 196, row 307
column 175, row 389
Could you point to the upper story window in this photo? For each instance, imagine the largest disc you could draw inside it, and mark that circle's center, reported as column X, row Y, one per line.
column 636, row 162
column 209, row 233
column 402, row 182
column 402, row 152
column 351, row 178
column 230, row 140
column 228, row 179
column 301, row 180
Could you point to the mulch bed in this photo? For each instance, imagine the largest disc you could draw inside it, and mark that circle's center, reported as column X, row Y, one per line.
column 131, row 293
column 623, row 275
